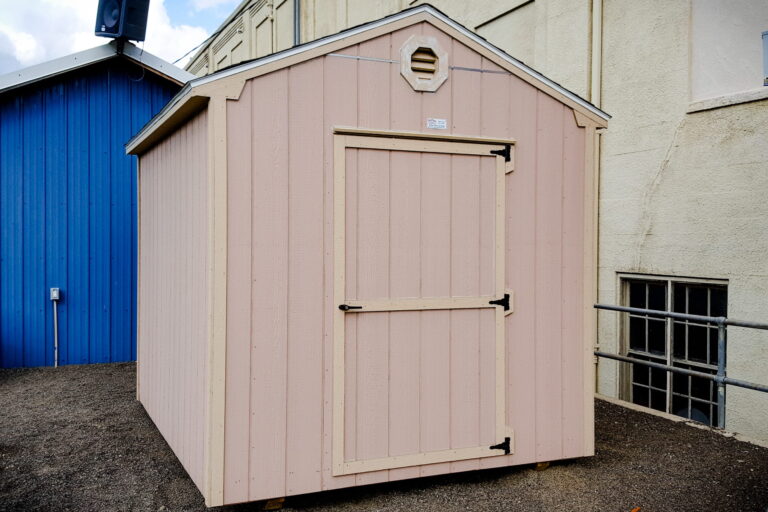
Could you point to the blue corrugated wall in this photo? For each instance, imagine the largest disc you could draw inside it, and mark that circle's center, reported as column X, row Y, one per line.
column 68, row 213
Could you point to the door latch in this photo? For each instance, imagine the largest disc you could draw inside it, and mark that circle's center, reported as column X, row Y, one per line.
column 346, row 307
column 501, row 302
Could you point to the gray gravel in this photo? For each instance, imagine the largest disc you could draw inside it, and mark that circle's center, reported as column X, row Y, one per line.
column 76, row 439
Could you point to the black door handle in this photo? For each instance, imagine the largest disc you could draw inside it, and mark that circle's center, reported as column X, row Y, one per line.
column 345, row 307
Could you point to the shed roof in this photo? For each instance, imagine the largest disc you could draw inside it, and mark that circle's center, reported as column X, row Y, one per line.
column 55, row 67
column 197, row 91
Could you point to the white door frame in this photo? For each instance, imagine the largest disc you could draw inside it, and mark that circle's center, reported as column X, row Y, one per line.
column 425, row 143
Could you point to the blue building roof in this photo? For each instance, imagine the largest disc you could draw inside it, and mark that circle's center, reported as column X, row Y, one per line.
column 91, row 56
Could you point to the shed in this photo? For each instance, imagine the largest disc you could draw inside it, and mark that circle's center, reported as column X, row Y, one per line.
column 68, row 203
column 368, row 258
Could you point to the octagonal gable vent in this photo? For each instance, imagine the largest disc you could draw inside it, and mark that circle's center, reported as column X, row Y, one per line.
column 423, row 63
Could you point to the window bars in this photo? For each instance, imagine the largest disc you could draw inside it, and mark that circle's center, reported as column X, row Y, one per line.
column 720, row 378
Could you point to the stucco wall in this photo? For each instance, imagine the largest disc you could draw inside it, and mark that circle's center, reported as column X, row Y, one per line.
column 681, row 194
column 727, row 47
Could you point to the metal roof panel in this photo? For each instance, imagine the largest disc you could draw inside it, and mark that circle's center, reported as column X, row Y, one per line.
column 38, row 72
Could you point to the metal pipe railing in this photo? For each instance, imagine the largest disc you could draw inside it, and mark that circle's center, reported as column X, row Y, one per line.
column 685, row 316
column 720, row 377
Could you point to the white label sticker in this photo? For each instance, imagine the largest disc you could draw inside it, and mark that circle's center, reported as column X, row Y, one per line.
column 437, row 124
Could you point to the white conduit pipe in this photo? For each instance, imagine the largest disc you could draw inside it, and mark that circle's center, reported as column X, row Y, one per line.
column 55, row 299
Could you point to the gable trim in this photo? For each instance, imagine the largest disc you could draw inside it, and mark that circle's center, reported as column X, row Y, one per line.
column 328, row 45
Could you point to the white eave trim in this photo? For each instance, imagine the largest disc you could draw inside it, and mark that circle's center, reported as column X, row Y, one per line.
column 390, row 19
column 88, row 57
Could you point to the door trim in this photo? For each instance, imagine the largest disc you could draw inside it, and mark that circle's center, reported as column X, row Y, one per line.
column 416, row 140
column 394, row 134
column 402, row 141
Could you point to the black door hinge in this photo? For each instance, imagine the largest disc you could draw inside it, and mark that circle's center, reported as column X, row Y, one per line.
column 502, row 446
column 506, row 152
column 345, row 307
column 501, row 302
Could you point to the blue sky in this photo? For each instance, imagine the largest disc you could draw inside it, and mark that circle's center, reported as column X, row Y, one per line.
column 34, row 31
column 200, row 13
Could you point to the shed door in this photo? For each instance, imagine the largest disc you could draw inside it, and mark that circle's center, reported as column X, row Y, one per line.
column 419, row 302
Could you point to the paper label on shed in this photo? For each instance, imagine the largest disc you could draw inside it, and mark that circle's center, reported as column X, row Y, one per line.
column 437, row 124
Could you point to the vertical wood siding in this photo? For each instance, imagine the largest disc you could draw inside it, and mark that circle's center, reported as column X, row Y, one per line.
column 67, row 213
column 173, row 290
column 280, row 275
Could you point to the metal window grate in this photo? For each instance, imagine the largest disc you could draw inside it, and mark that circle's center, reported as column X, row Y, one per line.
column 679, row 343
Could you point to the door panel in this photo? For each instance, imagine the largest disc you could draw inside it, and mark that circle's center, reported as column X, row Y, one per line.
column 419, row 225
column 418, row 346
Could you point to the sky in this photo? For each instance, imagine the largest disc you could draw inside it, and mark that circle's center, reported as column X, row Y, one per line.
column 34, row 31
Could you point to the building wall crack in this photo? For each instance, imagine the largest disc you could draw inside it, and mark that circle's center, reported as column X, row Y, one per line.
column 650, row 193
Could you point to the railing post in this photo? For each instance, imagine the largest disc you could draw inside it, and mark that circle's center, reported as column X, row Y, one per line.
column 721, row 372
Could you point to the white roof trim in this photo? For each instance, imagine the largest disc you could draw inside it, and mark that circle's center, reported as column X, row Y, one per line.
column 68, row 63
column 390, row 19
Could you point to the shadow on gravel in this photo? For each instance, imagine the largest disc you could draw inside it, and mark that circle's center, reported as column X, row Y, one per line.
column 75, row 438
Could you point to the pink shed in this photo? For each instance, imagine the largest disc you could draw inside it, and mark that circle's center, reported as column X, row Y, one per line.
column 365, row 259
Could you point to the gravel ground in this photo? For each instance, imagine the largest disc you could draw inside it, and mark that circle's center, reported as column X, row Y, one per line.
column 75, row 439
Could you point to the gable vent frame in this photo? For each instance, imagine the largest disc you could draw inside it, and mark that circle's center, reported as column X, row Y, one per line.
column 423, row 63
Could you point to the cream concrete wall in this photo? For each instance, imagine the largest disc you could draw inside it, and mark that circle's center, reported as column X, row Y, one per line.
column 727, row 47
column 682, row 194
column 261, row 27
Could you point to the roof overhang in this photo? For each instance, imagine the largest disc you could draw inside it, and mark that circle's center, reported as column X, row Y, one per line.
column 33, row 74
column 205, row 86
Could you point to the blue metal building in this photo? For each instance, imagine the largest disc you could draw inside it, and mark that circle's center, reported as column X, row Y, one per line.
column 68, row 202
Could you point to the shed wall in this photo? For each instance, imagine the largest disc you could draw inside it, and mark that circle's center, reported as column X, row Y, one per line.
column 67, row 213
column 280, row 259
column 174, row 290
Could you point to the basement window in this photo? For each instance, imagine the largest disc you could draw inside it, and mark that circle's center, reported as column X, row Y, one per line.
column 423, row 63
column 679, row 343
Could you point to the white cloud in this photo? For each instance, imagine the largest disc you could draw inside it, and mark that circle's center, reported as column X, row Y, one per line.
column 200, row 5
column 42, row 30
column 170, row 41
column 8, row 58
